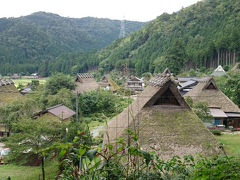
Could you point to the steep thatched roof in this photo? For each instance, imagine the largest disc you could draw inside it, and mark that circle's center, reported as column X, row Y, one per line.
column 164, row 122
column 8, row 92
column 219, row 71
column 208, row 91
column 107, row 81
column 85, row 82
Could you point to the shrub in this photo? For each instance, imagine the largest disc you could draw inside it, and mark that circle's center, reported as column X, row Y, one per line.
column 226, row 68
column 217, row 132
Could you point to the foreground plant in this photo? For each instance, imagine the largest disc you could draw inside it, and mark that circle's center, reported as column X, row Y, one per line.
column 126, row 160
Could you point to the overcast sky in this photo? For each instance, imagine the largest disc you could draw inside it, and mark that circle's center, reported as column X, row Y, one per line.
column 139, row 10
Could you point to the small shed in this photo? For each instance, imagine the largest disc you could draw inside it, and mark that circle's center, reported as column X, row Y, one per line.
column 59, row 111
column 163, row 121
column 136, row 84
column 223, row 110
column 85, row 82
column 26, row 90
column 3, row 130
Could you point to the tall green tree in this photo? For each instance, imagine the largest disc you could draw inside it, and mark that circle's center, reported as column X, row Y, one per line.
column 59, row 81
column 31, row 137
column 175, row 57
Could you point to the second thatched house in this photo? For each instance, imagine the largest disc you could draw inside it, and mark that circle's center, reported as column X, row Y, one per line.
column 223, row 110
column 107, row 83
column 163, row 121
column 85, row 82
column 219, row 71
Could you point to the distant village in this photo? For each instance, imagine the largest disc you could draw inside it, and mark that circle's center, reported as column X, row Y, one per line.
column 160, row 114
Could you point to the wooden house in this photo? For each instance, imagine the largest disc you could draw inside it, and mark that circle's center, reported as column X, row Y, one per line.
column 163, row 121
column 136, row 84
column 223, row 110
column 16, row 76
column 85, row 82
column 59, row 112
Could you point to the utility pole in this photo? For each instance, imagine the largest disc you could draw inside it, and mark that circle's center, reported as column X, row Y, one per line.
column 77, row 107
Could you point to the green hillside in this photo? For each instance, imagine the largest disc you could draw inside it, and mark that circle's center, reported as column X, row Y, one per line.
column 28, row 41
column 203, row 35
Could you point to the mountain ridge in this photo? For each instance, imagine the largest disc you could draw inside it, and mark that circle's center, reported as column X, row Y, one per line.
column 44, row 36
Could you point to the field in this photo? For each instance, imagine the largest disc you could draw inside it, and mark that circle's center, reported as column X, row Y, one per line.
column 27, row 172
column 24, row 82
column 231, row 143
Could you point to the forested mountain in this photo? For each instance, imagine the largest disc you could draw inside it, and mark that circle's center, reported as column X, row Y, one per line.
column 28, row 41
column 203, row 35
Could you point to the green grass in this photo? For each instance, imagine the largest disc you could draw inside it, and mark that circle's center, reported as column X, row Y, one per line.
column 27, row 172
column 231, row 143
column 24, row 82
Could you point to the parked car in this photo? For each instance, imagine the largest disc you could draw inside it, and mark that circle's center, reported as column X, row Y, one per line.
column 3, row 153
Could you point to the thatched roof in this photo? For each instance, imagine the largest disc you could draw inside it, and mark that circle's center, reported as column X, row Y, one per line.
column 8, row 92
column 219, row 71
column 208, row 91
column 4, row 82
column 164, row 122
column 107, row 81
column 85, row 82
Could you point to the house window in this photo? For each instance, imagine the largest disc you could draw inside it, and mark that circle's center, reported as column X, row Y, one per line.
column 217, row 122
column 211, row 86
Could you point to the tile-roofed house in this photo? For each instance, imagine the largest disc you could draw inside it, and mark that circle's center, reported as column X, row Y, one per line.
column 8, row 92
column 85, row 82
column 134, row 83
column 183, row 79
column 220, row 105
column 60, row 111
column 187, row 86
column 163, row 121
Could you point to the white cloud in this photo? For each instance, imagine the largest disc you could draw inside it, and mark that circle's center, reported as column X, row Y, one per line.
column 140, row 10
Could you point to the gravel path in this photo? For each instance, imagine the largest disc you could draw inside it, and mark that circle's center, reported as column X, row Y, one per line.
column 95, row 132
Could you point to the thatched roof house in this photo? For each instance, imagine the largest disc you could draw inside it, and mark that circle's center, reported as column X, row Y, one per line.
column 85, row 82
column 108, row 84
column 164, row 122
column 221, row 107
column 59, row 111
column 219, row 71
column 8, row 92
